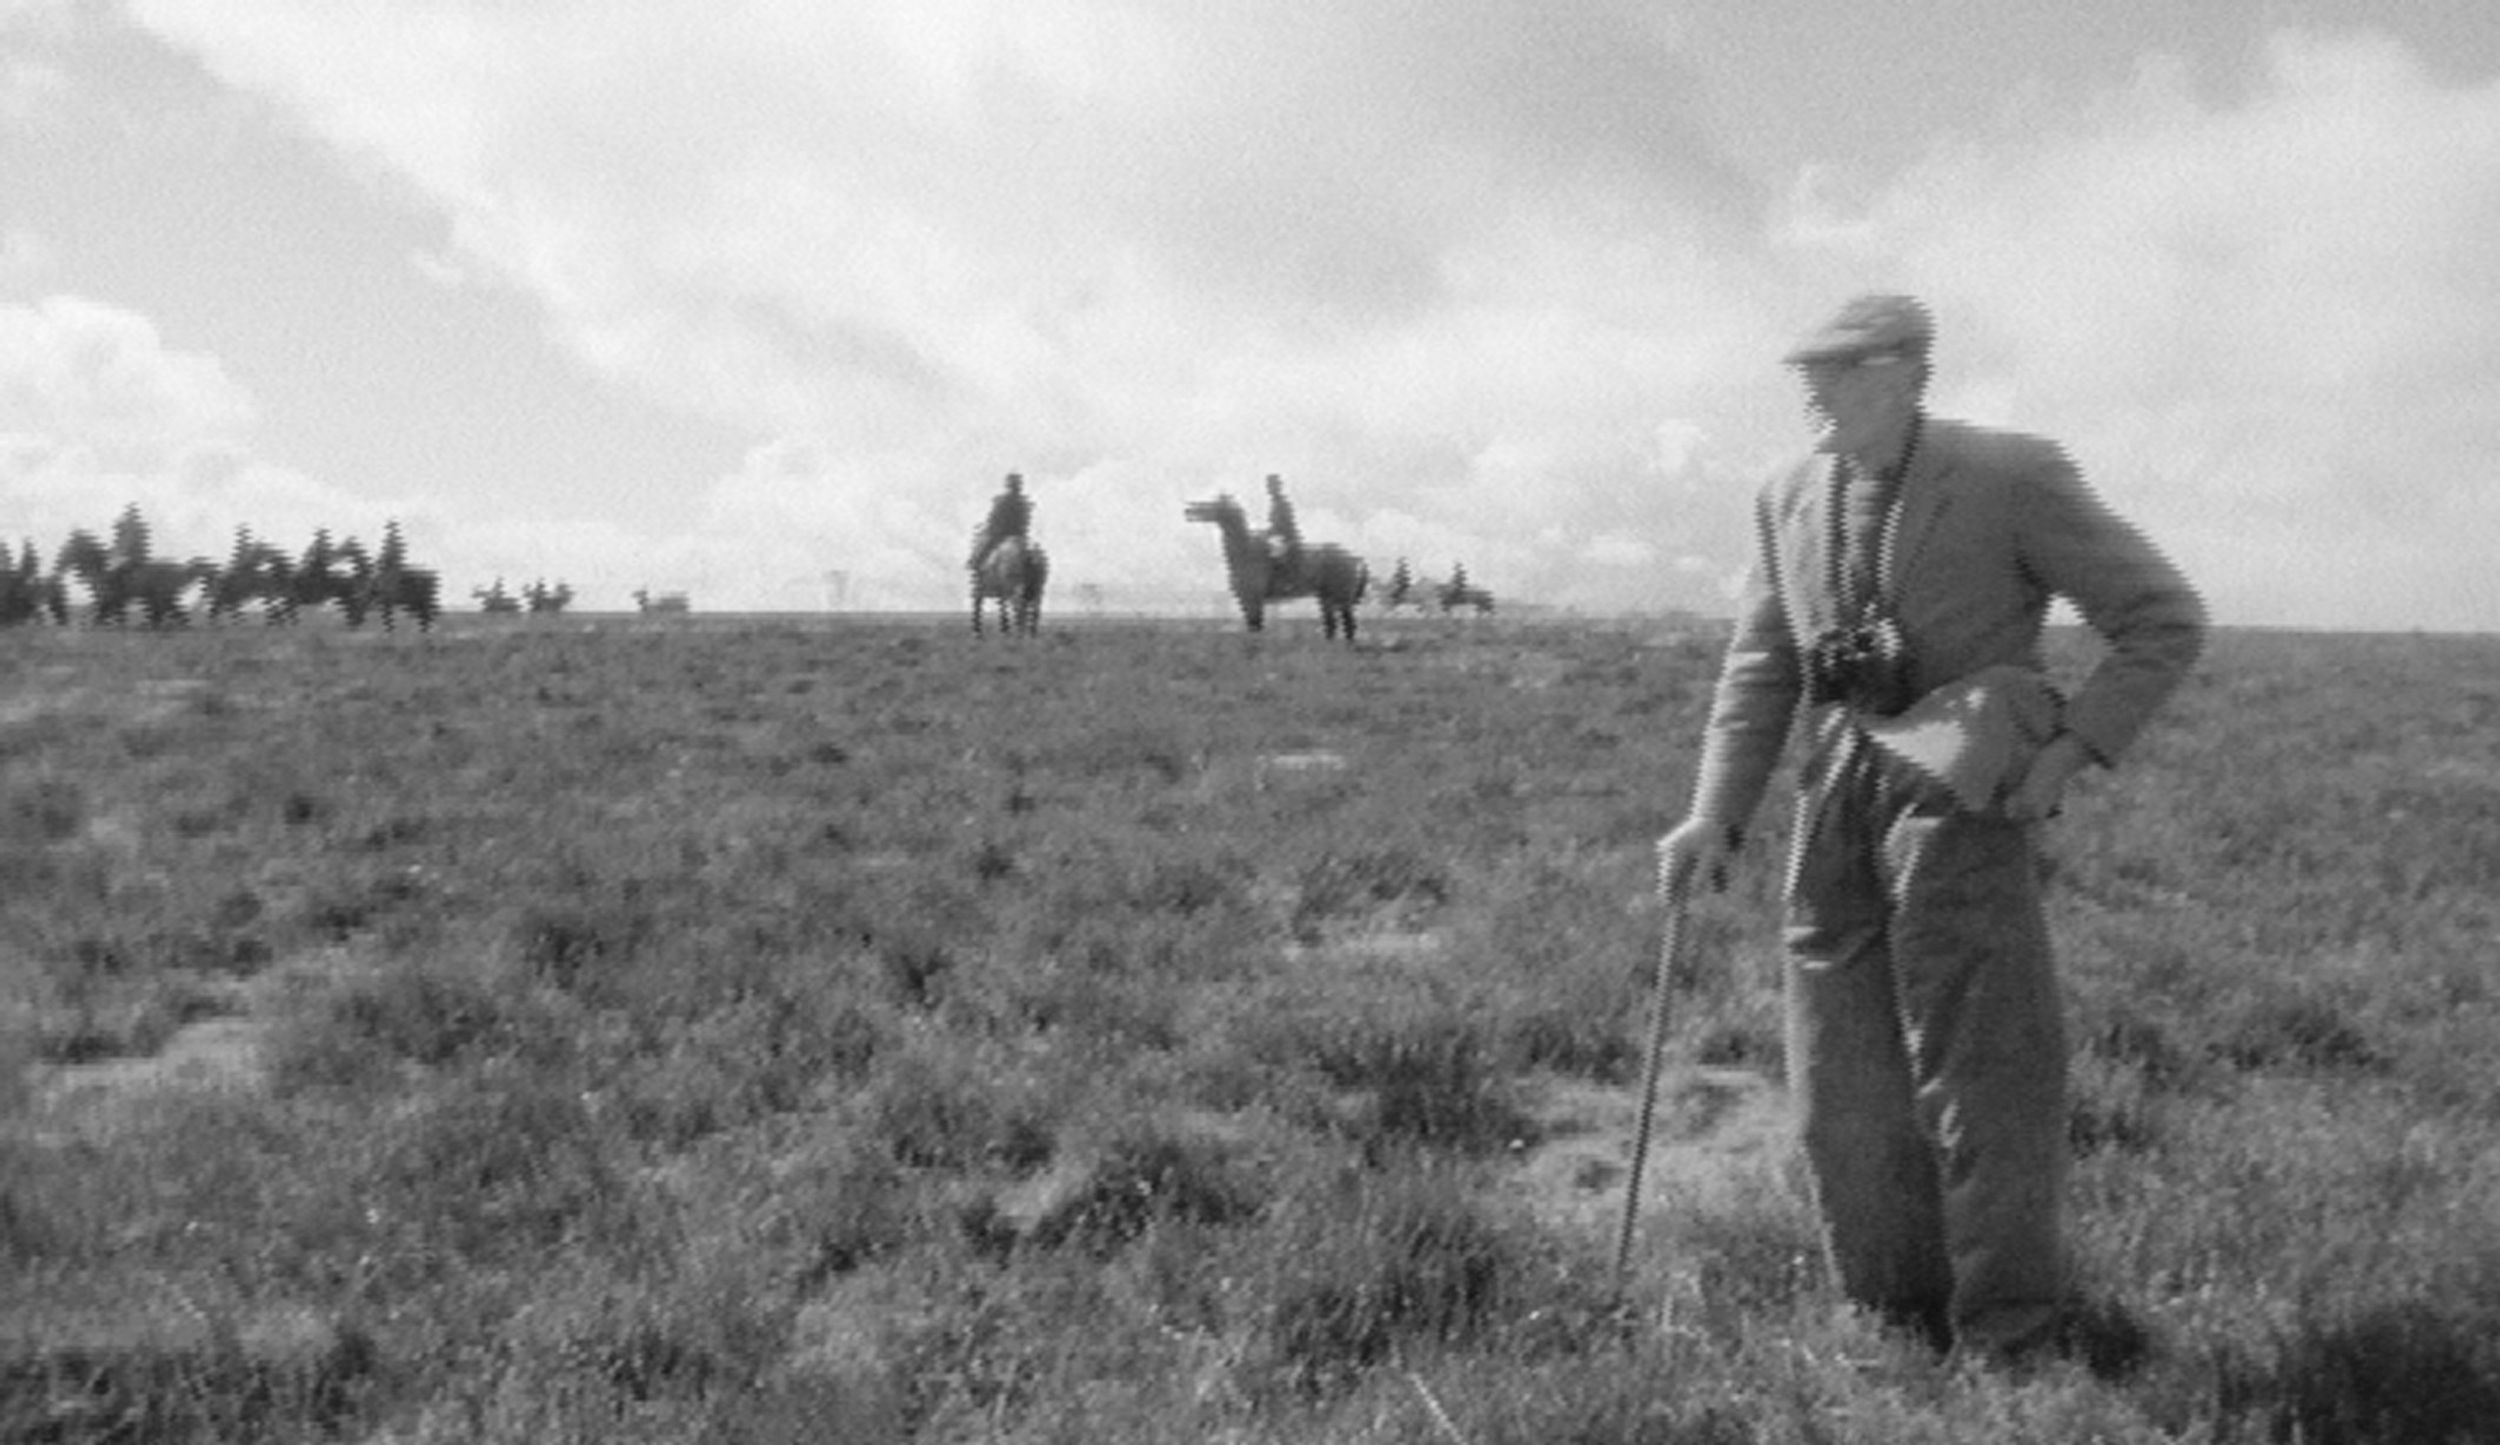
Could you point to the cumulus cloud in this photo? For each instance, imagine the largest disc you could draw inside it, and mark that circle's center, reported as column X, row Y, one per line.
column 1470, row 275
column 2271, row 329
column 1443, row 260
column 97, row 413
column 96, row 376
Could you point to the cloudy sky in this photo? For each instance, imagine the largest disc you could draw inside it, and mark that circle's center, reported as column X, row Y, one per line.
column 726, row 298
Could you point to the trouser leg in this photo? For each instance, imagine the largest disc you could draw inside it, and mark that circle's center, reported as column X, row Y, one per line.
column 1987, row 1041
column 1874, row 1172
column 1927, row 1056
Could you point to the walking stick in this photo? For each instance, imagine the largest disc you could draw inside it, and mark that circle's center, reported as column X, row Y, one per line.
column 1670, row 948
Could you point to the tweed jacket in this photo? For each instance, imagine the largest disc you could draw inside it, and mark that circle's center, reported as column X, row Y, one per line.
column 1991, row 526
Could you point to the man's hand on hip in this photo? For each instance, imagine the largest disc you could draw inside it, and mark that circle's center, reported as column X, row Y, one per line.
column 2042, row 790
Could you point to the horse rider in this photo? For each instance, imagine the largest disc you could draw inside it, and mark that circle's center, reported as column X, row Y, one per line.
column 1011, row 515
column 1284, row 535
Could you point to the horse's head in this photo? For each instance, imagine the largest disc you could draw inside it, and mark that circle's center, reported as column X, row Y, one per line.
column 1220, row 509
column 83, row 554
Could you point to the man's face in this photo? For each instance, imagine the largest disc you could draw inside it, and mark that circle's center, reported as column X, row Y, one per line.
column 1859, row 403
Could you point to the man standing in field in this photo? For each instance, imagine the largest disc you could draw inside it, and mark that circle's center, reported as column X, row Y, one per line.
column 1901, row 577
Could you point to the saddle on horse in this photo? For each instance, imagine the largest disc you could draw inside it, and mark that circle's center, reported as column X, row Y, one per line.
column 1284, row 562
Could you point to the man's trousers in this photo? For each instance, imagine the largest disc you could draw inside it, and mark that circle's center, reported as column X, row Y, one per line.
column 1927, row 1052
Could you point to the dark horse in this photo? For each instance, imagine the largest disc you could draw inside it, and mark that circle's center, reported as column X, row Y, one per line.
column 28, row 594
column 417, row 591
column 117, row 583
column 1324, row 570
column 1014, row 572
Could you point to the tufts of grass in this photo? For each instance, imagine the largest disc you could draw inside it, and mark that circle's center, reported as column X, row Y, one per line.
column 100, row 998
column 360, row 1029
column 740, row 1064
column 1720, row 1272
column 1361, row 1267
column 2374, row 1373
column 217, row 1373
column 1570, row 961
column 1620, row 1396
column 1102, row 997
column 492, row 1167
column 2114, row 1106
column 1146, row 1171
column 2307, row 1034
column 838, row 1202
column 1366, row 883
column 1412, row 1058
column 679, row 1346
column 934, row 1107
column 573, row 944
column 42, row 811
column 1154, row 750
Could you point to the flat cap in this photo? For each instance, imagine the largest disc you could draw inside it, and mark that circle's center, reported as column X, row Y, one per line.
column 1866, row 325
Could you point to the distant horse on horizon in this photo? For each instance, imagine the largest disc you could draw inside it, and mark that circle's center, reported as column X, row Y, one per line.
column 1014, row 572
column 417, row 591
column 1322, row 570
column 28, row 594
column 256, row 572
column 157, row 587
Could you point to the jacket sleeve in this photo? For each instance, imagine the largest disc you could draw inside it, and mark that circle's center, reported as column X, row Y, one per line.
column 2154, row 622
column 1756, row 698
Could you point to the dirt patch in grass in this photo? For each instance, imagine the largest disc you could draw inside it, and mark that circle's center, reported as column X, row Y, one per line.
column 222, row 1051
column 1716, row 1136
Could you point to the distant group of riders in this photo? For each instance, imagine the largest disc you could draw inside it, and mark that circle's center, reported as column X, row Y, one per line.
column 1011, row 515
column 1269, row 565
column 123, row 581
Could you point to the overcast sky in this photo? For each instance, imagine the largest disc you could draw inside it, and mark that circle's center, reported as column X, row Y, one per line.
column 724, row 298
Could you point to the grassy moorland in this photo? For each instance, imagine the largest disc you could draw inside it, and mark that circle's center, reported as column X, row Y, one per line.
column 782, row 1031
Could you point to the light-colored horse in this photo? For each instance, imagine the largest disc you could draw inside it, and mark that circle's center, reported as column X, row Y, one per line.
column 1014, row 572
column 1330, row 573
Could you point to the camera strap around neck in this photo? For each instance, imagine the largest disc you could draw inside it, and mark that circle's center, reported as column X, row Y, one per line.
column 1865, row 526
